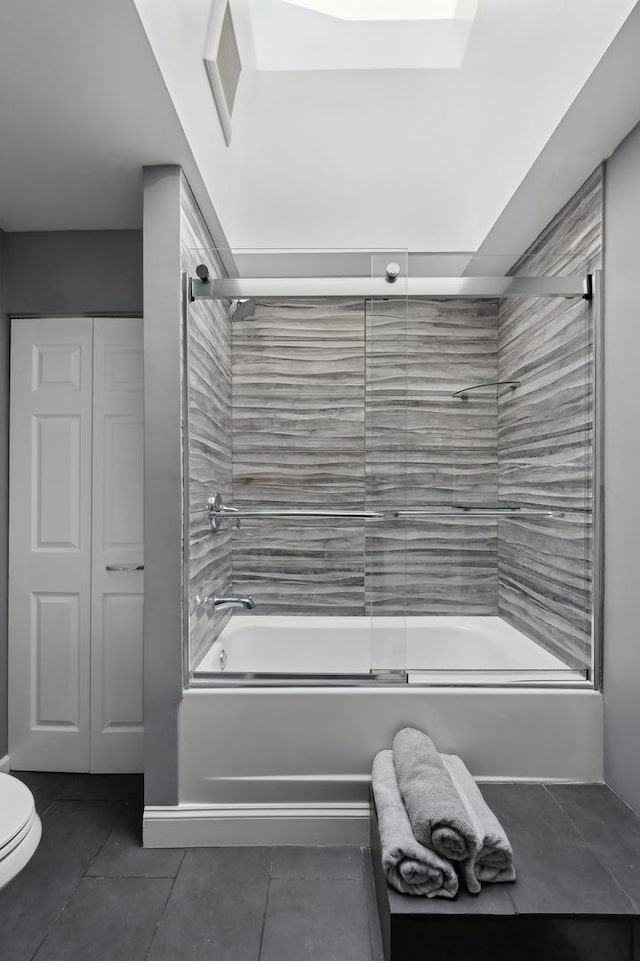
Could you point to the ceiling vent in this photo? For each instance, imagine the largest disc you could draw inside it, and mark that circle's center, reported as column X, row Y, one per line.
column 222, row 60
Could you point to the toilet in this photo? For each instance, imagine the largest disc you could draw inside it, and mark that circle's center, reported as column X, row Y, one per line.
column 20, row 827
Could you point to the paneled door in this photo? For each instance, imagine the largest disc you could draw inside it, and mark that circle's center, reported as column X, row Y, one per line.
column 75, row 628
column 117, row 552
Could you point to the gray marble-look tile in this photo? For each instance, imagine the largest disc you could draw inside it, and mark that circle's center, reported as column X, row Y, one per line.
column 107, row 919
column 122, row 854
column 313, row 863
column 557, row 871
column 544, row 582
column 435, row 566
column 72, row 834
column 545, row 433
column 208, row 355
column 301, row 568
column 216, row 907
column 318, row 920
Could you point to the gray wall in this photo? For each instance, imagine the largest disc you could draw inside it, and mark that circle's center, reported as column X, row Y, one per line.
column 4, row 497
column 622, row 471
column 74, row 272
column 163, row 522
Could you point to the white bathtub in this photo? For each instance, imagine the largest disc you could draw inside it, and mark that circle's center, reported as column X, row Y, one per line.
column 280, row 752
column 433, row 650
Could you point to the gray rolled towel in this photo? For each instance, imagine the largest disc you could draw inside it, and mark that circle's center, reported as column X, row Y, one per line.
column 438, row 815
column 408, row 866
column 494, row 859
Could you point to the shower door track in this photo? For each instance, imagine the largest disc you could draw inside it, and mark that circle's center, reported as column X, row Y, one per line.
column 240, row 288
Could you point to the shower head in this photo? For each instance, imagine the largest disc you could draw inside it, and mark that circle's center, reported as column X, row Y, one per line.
column 238, row 308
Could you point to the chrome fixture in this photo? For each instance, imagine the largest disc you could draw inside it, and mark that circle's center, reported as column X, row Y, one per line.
column 218, row 511
column 494, row 383
column 226, row 603
column 124, row 568
column 392, row 273
column 457, row 509
column 202, row 272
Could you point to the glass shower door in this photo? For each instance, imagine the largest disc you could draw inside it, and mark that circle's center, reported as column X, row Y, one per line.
column 385, row 463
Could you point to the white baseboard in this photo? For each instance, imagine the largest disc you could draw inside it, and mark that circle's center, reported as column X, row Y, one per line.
column 5, row 766
column 220, row 825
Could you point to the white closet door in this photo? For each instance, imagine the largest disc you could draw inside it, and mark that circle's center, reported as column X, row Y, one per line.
column 50, row 544
column 117, row 575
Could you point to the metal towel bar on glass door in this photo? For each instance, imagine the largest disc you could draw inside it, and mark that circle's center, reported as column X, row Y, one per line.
column 455, row 510
column 219, row 511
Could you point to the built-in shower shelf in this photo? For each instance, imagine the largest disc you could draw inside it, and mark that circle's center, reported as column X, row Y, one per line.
column 464, row 391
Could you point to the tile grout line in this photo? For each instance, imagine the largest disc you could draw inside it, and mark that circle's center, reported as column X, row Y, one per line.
column 593, row 851
column 98, row 852
column 164, row 908
column 266, row 905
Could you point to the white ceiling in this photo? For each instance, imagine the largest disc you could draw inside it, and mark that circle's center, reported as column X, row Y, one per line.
column 432, row 160
column 288, row 36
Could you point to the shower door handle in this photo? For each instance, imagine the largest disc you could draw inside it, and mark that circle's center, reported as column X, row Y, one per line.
column 124, row 568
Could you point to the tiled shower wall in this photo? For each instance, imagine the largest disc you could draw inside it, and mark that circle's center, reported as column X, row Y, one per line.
column 545, row 433
column 303, row 437
column 287, row 381
column 208, row 336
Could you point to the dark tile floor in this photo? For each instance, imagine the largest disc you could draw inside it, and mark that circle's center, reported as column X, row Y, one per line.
column 92, row 893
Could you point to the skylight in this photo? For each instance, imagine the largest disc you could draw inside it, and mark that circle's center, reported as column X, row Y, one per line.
column 382, row 9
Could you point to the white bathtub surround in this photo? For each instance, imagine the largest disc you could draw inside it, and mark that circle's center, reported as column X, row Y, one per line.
column 291, row 765
column 5, row 765
column 433, row 650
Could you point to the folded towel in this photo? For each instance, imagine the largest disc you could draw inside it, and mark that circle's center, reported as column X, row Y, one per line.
column 408, row 866
column 438, row 816
column 494, row 859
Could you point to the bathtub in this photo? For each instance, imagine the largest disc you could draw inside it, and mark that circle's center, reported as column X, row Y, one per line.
column 276, row 741
column 420, row 650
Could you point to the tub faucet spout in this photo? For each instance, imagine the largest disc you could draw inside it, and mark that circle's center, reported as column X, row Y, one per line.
column 228, row 603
